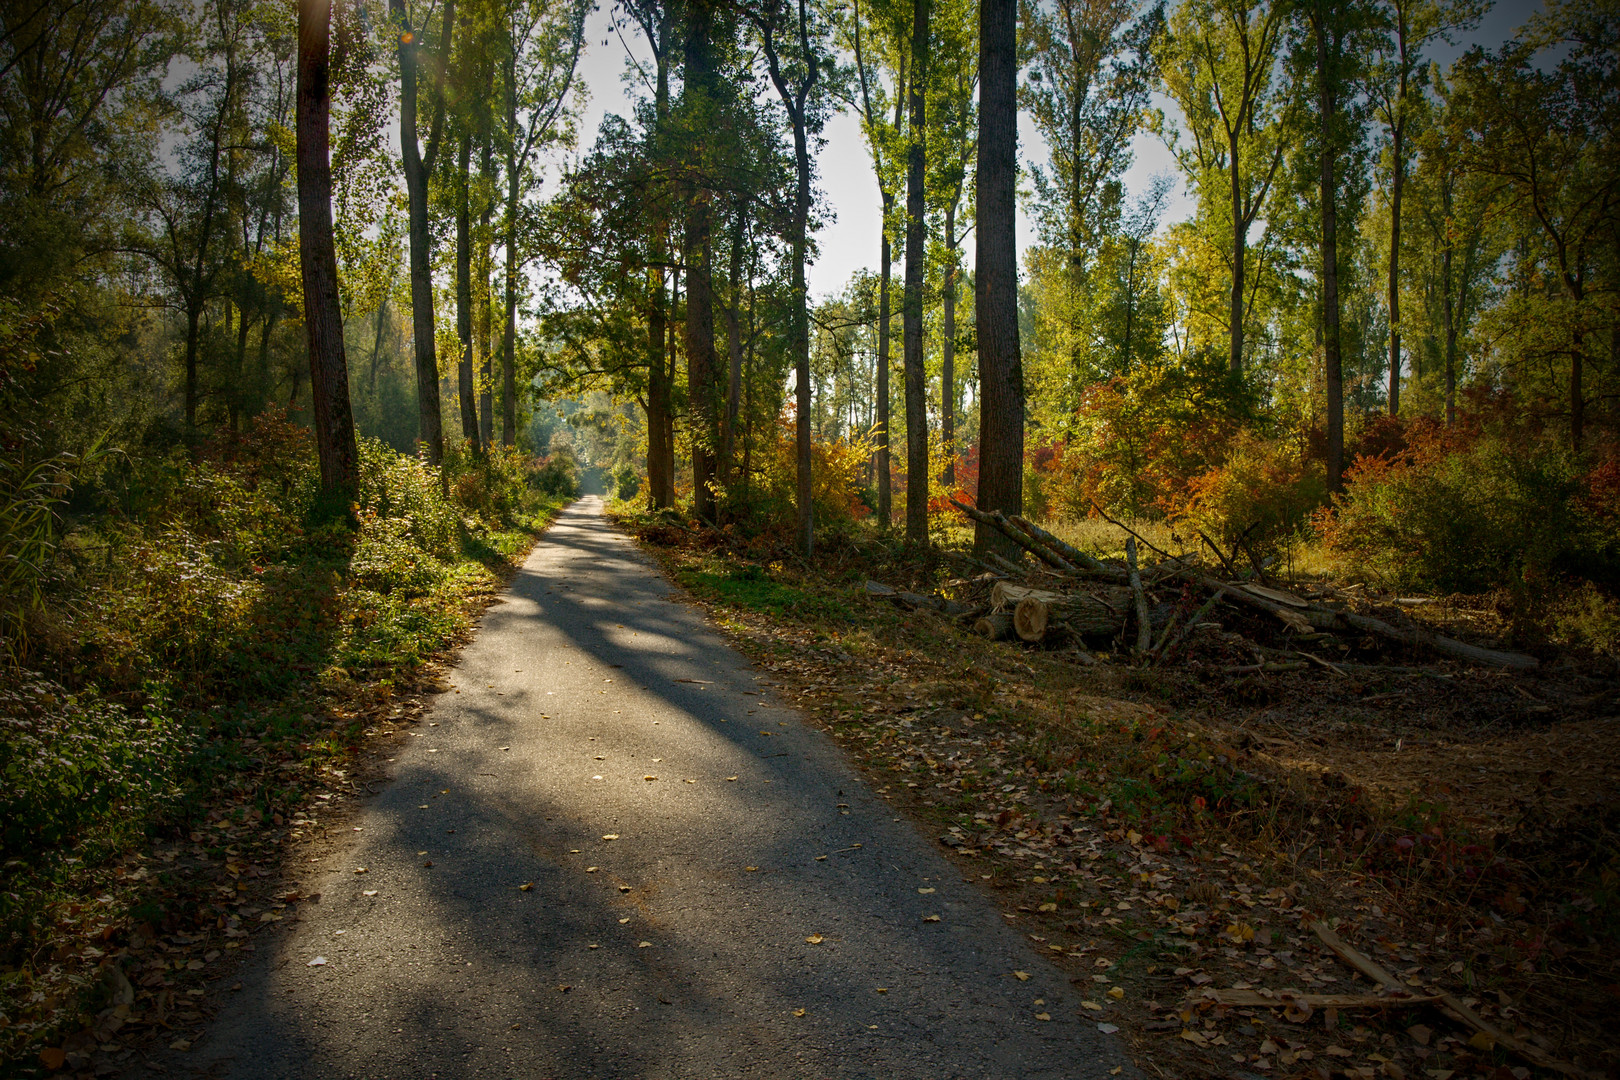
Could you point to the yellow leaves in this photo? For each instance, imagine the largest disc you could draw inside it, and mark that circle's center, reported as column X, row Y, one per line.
column 930, row 918
column 527, row 886
column 925, row 892
column 369, row 892
column 882, row 989
column 1240, row 932
column 1092, row 1005
column 751, row 869
column 731, row 778
column 643, row 944
column 798, row 1012
column 649, row 777
column 592, row 869
column 360, row 870
column 611, row 836
column 1194, row 1037
column 1483, row 1041
column 1043, row 1016
column 1117, row 993
column 814, row 939
column 1047, row 907
column 1021, row 976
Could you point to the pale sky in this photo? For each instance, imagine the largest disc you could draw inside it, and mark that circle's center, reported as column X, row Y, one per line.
column 849, row 242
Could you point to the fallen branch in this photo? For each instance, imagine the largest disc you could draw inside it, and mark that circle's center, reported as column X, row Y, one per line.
column 1166, row 649
column 1068, row 551
column 1449, row 1004
column 1258, row 998
column 998, row 521
column 1144, row 628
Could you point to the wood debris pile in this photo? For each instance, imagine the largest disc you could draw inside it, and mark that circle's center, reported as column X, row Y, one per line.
column 1152, row 612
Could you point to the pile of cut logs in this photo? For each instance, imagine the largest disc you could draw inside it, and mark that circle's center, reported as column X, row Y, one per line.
column 1082, row 600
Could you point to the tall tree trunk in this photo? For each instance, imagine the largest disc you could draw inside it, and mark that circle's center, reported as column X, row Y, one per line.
column 1450, row 314
column 466, row 391
column 947, row 371
column 1327, row 104
column 514, row 194
column 885, row 496
column 734, row 344
column 660, row 351
column 328, row 369
column 912, row 318
column 1001, row 370
column 700, row 351
column 418, row 166
column 483, row 299
column 1397, row 182
column 1240, row 242
column 799, row 332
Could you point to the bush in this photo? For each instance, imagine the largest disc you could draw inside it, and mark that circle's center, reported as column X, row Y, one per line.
column 557, row 475
column 1259, row 498
column 69, row 761
column 1464, row 510
column 837, row 475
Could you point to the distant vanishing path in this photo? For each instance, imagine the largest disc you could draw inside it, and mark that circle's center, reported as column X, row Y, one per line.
column 683, row 940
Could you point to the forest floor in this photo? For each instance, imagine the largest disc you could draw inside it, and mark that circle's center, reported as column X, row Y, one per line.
column 1174, row 836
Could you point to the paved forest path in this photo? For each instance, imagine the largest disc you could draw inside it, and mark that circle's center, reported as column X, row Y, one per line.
column 676, row 910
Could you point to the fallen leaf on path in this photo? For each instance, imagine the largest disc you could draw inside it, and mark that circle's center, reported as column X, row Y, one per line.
column 624, row 920
column 369, row 892
column 590, row 869
column 1194, row 1037
column 319, row 961
column 643, row 944
column 925, row 891
column 611, row 836
column 1117, row 993
column 751, row 869
column 798, row 1012
column 1108, row 1029
column 815, row 939
column 527, row 886
column 731, row 778
column 360, row 870
column 649, row 777
column 930, row 918
column 1043, row 1016
column 624, row 888
column 1021, row 976
column 180, row 1044
column 883, row 989
column 1092, row 1005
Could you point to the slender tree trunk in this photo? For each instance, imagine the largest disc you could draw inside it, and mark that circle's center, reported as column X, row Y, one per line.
column 1240, row 241
column 514, row 190
column 700, row 352
column 328, row 369
column 1397, row 182
column 799, row 339
column 484, row 300
column 1001, row 370
column 466, row 392
column 947, row 373
column 912, row 315
column 1451, row 333
column 417, row 168
column 885, row 496
column 193, row 343
column 1327, row 103
column 376, row 343
column 734, row 345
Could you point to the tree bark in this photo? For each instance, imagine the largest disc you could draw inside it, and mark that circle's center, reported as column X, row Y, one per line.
column 947, row 370
column 734, row 347
column 1240, row 241
column 1001, row 371
column 483, row 301
column 885, row 496
column 700, row 352
column 323, row 323
column 1327, row 104
column 466, row 393
column 1397, row 182
column 916, row 387
column 418, row 166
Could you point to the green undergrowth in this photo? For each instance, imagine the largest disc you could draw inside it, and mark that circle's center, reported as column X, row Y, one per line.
column 208, row 636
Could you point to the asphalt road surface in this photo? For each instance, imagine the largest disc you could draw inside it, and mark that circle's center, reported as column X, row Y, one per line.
column 714, row 892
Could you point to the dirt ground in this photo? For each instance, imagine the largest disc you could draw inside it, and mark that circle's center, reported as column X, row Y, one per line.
column 1173, row 836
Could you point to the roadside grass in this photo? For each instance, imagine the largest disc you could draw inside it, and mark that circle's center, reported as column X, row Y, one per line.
column 208, row 667
column 1148, row 844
